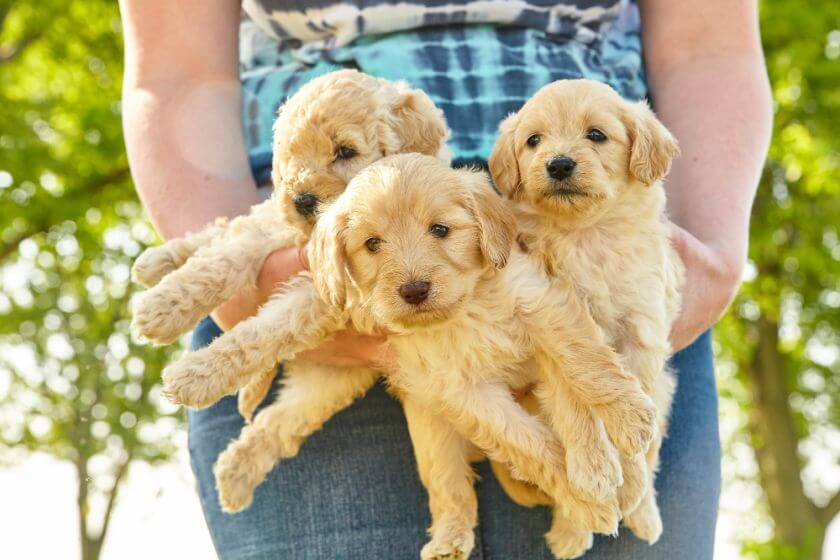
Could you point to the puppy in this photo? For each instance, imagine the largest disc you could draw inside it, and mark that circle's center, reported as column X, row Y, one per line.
column 324, row 134
column 424, row 251
column 582, row 169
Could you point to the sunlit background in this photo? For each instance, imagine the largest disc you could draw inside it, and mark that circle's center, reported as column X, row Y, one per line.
column 93, row 462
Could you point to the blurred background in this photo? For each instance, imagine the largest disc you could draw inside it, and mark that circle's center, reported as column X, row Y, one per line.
column 93, row 461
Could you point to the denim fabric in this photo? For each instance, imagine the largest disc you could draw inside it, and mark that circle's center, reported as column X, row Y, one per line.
column 353, row 490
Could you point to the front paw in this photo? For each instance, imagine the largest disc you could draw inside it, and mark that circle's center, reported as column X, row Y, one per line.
column 596, row 517
column 594, row 473
column 646, row 522
column 156, row 316
column 635, row 425
column 566, row 544
column 449, row 543
column 153, row 264
column 197, row 380
column 636, row 483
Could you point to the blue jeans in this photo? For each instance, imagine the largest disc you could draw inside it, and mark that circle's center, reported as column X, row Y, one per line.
column 353, row 491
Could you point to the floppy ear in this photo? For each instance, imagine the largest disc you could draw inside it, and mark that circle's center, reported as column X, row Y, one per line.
column 503, row 164
column 328, row 257
column 652, row 147
column 416, row 122
column 496, row 223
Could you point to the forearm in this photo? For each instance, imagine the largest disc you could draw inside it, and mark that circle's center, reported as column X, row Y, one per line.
column 181, row 111
column 708, row 83
column 719, row 108
column 187, row 153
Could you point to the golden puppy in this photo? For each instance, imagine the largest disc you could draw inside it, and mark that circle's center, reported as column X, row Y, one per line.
column 582, row 169
column 324, row 134
column 425, row 251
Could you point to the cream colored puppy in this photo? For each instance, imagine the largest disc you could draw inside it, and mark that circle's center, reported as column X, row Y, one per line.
column 582, row 169
column 324, row 134
column 420, row 249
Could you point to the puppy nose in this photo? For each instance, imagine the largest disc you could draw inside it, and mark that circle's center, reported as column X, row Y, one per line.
column 560, row 167
column 415, row 292
column 305, row 203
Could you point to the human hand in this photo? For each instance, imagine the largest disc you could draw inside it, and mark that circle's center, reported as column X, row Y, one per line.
column 711, row 282
column 346, row 349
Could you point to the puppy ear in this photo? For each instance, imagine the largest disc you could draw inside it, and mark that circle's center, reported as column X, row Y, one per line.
column 496, row 223
column 652, row 147
column 504, row 167
column 417, row 123
column 328, row 257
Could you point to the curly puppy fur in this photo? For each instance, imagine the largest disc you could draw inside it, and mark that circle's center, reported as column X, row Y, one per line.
column 492, row 321
column 324, row 134
column 582, row 169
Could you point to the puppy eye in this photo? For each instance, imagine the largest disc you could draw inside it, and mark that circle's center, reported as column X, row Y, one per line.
column 344, row 152
column 372, row 244
column 533, row 140
column 596, row 135
column 439, row 230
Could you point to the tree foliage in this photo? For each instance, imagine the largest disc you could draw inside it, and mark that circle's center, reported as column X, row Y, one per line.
column 74, row 384
column 781, row 339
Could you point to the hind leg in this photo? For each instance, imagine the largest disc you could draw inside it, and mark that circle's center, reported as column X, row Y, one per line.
column 310, row 396
column 443, row 464
column 252, row 394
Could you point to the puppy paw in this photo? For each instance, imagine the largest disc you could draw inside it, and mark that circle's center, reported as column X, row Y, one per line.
column 197, row 380
column 153, row 264
column 636, row 483
column 634, row 425
column 236, row 479
column 645, row 521
column 158, row 316
column 596, row 517
column 594, row 472
column 251, row 395
column 568, row 543
column 449, row 543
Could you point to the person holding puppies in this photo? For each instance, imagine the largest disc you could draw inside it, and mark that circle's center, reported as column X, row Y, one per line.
column 353, row 491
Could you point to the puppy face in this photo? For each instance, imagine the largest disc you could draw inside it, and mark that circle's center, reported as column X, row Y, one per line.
column 409, row 240
column 335, row 126
column 576, row 145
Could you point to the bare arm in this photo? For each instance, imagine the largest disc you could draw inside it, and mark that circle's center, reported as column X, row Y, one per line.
column 709, row 86
column 182, row 123
column 181, row 101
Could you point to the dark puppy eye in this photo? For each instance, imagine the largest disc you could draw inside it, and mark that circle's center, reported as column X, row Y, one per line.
column 439, row 230
column 372, row 244
column 533, row 140
column 596, row 135
column 343, row 152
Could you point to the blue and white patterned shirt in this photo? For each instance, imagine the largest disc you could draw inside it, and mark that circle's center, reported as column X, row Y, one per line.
column 479, row 60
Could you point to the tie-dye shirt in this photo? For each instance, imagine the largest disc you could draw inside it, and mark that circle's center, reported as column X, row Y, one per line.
column 479, row 60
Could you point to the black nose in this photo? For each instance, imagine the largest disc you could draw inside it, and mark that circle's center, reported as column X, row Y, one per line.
column 415, row 292
column 560, row 167
column 306, row 203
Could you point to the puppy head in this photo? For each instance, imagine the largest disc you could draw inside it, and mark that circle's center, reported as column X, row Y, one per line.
column 409, row 240
column 575, row 145
column 336, row 125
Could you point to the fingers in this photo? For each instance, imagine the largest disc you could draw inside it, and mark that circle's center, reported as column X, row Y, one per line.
column 351, row 349
column 278, row 267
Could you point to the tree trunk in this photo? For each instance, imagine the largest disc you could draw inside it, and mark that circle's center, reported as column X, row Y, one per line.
column 92, row 545
column 797, row 520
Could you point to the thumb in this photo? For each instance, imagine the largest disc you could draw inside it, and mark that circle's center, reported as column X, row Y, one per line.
column 303, row 257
